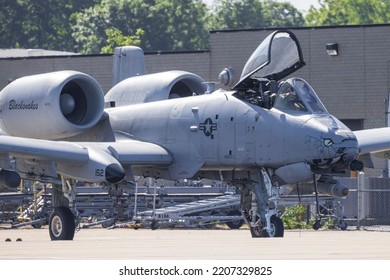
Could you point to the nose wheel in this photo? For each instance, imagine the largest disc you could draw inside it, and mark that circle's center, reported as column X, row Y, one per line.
column 275, row 229
column 259, row 201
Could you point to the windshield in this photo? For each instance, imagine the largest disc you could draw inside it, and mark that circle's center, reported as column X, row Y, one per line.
column 297, row 95
column 309, row 96
column 288, row 98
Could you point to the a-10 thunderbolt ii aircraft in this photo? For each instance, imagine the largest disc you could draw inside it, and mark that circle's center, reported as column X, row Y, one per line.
column 262, row 134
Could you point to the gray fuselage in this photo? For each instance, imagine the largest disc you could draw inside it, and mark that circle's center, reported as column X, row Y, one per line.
column 219, row 132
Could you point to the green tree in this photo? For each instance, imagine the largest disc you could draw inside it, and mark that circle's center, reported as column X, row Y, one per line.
column 347, row 12
column 239, row 14
column 10, row 23
column 167, row 24
column 38, row 24
column 115, row 38
column 283, row 14
column 243, row 14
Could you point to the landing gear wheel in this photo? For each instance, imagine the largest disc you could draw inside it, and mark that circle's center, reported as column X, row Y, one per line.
column 277, row 227
column 62, row 224
column 258, row 231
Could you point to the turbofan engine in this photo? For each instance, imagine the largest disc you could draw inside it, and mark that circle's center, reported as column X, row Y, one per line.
column 51, row 106
column 156, row 87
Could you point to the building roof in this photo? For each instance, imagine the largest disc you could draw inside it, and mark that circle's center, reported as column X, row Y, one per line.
column 7, row 53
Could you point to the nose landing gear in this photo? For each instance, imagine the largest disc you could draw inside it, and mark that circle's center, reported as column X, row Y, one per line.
column 259, row 206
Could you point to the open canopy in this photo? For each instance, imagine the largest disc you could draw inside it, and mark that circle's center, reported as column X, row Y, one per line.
column 276, row 57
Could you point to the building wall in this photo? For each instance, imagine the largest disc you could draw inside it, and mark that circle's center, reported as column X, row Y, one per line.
column 99, row 67
column 195, row 62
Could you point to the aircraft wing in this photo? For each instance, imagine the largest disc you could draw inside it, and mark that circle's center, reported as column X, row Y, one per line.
column 134, row 152
column 35, row 149
column 94, row 162
column 373, row 142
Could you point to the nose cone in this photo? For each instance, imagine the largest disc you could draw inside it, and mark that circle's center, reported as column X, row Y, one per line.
column 333, row 145
column 347, row 149
column 114, row 173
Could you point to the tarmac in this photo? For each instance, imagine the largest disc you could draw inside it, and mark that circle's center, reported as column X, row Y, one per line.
column 190, row 244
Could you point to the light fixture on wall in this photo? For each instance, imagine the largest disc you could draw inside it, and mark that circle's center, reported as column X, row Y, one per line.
column 332, row 49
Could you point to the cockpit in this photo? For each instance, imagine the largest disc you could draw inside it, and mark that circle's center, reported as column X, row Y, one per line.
column 296, row 94
column 278, row 56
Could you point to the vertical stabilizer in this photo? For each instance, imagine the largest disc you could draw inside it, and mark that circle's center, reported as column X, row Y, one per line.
column 128, row 62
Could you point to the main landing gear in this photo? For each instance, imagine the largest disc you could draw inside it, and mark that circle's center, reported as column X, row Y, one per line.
column 258, row 203
column 259, row 206
column 62, row 222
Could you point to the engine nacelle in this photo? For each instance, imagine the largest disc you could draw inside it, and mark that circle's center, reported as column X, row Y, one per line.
column 156, row 87
column 51, row 106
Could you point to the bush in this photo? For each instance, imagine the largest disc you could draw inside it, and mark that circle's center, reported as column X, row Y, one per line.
column 294, row 218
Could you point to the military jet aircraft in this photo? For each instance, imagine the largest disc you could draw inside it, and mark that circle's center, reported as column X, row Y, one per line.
column 262, row 134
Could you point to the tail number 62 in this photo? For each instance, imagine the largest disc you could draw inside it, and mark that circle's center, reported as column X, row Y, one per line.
column 99, row 172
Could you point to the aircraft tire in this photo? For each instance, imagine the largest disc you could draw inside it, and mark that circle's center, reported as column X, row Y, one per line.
column 62, row 224
column 258, row 232
column 277, row 227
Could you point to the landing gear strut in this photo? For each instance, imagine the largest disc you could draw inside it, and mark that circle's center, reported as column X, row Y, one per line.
column 259, row 205
column 317, row 224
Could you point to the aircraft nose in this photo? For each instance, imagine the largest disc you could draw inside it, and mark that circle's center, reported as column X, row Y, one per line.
column 347, row 149
column 114, row 173
column 335, row 146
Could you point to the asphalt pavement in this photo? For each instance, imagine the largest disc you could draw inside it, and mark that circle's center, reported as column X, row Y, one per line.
column 202, row 244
